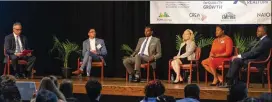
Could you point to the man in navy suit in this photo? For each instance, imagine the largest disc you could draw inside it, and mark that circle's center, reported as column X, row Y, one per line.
column 15, row 43
column 94, row 49
column 259, row 51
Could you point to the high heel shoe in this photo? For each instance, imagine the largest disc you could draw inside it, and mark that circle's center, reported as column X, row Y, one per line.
column 177, row 82
column 217, row 83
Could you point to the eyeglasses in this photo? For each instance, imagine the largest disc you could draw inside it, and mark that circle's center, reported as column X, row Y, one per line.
column 17, row 29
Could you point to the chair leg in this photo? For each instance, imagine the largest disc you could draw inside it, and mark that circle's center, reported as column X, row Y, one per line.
column 147, row 77
column 5, row 69
column 169, row 73
column 126, row 76
column 263, row 75
column 191, row 74
column 8, row 68
column 154, row 74
column 248, row 77
column 32, row 73
column 268, row 79
column 102, row 72
column 206, row 77
column 197, row 74
column 223, row 75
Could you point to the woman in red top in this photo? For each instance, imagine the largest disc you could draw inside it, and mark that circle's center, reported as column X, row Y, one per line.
column 221, row 51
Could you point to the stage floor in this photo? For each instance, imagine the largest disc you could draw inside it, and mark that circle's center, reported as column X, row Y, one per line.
column 119, row 86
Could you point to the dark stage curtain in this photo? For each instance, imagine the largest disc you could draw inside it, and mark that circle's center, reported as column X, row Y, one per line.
column 119, row 22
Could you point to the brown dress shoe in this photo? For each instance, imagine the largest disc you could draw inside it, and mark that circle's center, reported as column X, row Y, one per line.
column 77, row 72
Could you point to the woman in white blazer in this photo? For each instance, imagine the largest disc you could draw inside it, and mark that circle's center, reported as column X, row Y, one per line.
column 185, row 54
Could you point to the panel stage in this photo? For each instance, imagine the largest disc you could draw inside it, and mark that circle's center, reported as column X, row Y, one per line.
column 119, row 86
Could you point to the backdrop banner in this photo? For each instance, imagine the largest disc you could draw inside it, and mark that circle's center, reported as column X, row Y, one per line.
column 210, row 12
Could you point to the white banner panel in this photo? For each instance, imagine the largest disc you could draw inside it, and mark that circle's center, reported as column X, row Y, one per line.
column 210, row 12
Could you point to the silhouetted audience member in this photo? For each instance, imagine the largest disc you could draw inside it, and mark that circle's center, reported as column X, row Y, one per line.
column 47, row 84
column 66, row 87
column 93, row 89
column 191, row 93
column 46, row 96
column 250, row 99
column 9, row 89
column 1, row 94
column 266, row 97
column 55, row 80
column 237, row 92
column 154, row 92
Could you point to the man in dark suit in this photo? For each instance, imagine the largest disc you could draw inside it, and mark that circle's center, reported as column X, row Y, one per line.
column 15, row 44
column 148, row 49
column 259, row 51
column 94, row 49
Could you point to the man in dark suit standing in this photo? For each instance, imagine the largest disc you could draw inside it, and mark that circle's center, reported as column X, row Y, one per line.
column 259, row 51
column 148, row 49
column 15, row 44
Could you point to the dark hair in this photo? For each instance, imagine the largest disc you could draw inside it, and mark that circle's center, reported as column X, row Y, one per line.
column 264, row 27
column 66, row 87
column 55, row 80
column 93, row 89
column 46, row 96
column 223, row 27
column 237, row 92
column 251, row 99
column 47, row 84
column 266, row 97
column 149, row 27
column 9, row 89
column 154, row 88
column 192, row 91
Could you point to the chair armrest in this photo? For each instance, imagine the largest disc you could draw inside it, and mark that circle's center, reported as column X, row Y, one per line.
column 256, row 62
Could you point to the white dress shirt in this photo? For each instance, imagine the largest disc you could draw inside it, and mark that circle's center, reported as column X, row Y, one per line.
column 146, row 47
column 240, row 56
column 20, row 43
column 92, row 44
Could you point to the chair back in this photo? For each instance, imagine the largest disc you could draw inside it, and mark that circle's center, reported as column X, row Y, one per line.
column 198, row 53
column 269, row 56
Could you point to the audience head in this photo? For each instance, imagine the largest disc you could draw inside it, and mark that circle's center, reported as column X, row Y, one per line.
column 17, row 28
column 46, row 96
column 47, row 84
column 261, row 31
column 237, row 92
column 66, row 87
column 251, row 99
column 92, row 33
column 55, row 80
column 93, row 89
column 220, row 30
column 192, row 91
column 266, row 97
column 154, row 88
column 188, row 34
column 148, row 31
column 9, row 89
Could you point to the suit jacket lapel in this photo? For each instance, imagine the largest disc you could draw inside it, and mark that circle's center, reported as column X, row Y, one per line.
column 13, row 41
column 88, row 45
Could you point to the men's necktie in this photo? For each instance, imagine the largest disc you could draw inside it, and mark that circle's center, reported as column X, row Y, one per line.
column 142, row 51
column 17, row 44
column 256, row 44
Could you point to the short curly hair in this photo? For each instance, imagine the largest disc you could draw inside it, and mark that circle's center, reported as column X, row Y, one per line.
column 154, row 88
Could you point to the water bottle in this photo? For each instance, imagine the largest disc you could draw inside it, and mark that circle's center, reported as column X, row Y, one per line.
column 189, row 79
column 172, row 78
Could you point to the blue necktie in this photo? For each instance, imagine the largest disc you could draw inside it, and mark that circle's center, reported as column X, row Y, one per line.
column 17, row 44
column 142, row 51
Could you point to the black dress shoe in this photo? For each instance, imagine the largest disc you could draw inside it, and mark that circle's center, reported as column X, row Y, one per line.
column 17, row 76
column 137, row 80
column 131, row 78
column 224, row 86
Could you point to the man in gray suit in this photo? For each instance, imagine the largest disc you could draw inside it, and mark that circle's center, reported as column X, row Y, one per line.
column 148, row 49
column 94, row 49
